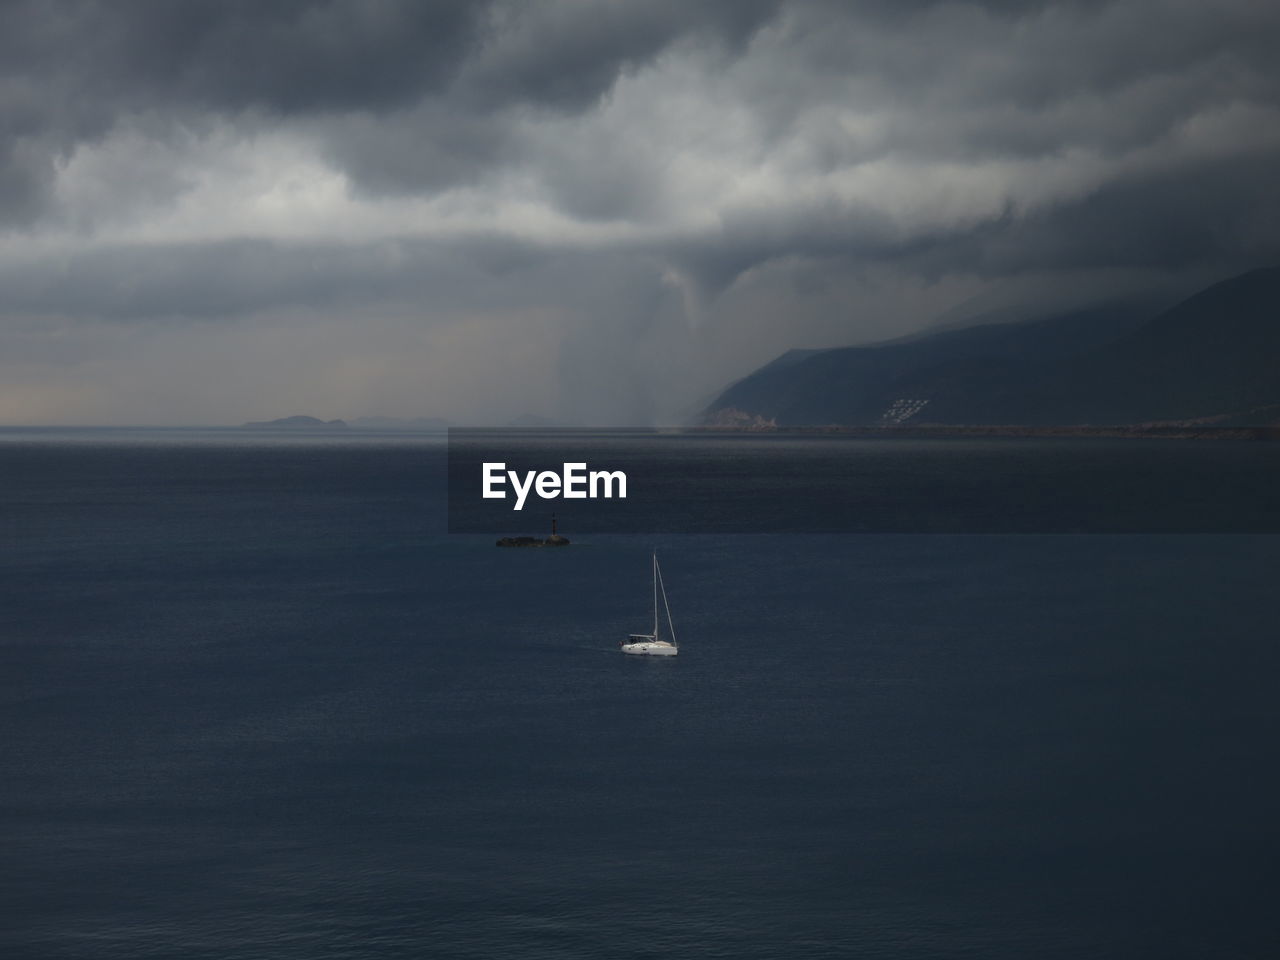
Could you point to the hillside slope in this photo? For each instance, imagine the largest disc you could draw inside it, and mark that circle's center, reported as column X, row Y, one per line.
column 1215, row 354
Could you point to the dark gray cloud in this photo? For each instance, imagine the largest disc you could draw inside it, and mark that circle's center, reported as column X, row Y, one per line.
column 285, row 56
column 566, row 55
column 658, row 190
column 436, row 72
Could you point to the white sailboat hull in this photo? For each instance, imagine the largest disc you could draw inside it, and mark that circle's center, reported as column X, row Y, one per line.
column 650, row 648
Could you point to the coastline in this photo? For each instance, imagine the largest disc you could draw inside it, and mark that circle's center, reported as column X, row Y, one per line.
column 941, row 432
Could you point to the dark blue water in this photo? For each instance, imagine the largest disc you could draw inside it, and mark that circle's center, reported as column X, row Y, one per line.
column 256, row 704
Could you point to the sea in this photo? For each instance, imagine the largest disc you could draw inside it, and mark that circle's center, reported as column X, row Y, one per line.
column 257, row 702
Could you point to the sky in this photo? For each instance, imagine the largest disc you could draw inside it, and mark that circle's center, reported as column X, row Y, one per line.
column 599, row 213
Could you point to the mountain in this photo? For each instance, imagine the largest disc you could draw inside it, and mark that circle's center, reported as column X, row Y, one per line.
column 1214, row 355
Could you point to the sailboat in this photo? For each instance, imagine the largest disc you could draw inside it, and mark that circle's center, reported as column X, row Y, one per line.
column 650, row 644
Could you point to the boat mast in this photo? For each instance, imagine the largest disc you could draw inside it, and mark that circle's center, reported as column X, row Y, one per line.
column 671, row 627
column 655, row 596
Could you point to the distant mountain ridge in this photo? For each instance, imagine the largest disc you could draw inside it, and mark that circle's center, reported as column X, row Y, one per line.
column 395, row 424
column 296, row 423
column 1214, row 355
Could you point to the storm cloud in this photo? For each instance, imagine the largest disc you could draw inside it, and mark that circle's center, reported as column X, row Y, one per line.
column 217, row 211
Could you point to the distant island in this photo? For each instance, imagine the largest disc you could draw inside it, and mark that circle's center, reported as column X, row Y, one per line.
column 394, row 424
column 295, row 423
